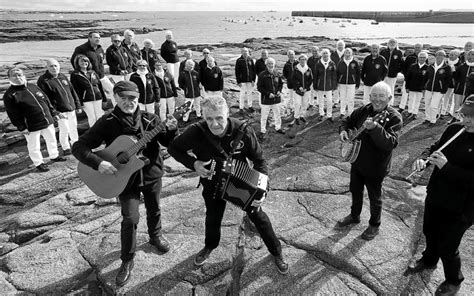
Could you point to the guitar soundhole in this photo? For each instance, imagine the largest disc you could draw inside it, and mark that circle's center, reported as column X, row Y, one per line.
column 122, row 158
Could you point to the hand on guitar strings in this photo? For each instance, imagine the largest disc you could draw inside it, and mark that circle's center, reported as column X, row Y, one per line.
column 199, row 167
column 258, row 202
column 370, row 124
column 344, row 136
column 171, row 122
column 107, row 168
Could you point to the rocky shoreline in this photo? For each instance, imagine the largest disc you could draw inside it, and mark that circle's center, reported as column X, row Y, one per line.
column 57, row 237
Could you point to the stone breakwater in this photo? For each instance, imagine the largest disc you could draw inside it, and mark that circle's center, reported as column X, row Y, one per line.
column 57, row 237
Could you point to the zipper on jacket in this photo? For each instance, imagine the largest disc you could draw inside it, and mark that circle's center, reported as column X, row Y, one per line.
column 192, row 85
column 347, row 76
column 57, row 78
column 41, row 107
column 90, row 83
column 247, row 67
column 273, row 85
column 324, row 79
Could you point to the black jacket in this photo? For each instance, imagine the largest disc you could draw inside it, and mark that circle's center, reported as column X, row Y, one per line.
column 335, row 57
column 60, row 92
column 373, row 70
column 182, row 64
column 438, row 81
column 96, row 56
column 109, row 127
column 167, row 85
column 151, row 57
column 149, row 93
column 348, row 75
column 260, row 66
column 245, row 70
column 461, row 76
column 212, row 79
column 189, row 82
column 118, row 60
column 169, row 51
column 452, row 187
column 269, row 83
column 28, row 107
column 377, row 144
column 302, row 80
column 193, row 139
column 409, row 60
column 88, row 86
column 325, row 79
column 394, row 61
column 455, row 67
column 288, row 71
column 202, row 65
column 415, row 78
column 312, row 61
column 133, row 51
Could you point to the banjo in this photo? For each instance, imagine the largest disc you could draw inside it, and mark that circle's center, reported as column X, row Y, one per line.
column 350, row 149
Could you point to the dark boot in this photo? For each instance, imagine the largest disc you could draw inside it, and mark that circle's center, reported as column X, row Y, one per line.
column 161, row 243
column 124, row 274
column 281, row 264
column 370, row 232
column 419, row 266
column 202, row 256
column 346, row 221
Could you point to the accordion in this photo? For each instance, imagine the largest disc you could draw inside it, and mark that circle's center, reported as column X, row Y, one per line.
column 237, row 182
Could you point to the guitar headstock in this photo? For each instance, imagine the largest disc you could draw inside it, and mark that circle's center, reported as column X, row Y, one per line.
column 181, row 110
column 381, row 117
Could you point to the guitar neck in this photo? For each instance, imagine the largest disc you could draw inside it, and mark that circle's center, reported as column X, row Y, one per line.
column 357, row 133
column 145, row 139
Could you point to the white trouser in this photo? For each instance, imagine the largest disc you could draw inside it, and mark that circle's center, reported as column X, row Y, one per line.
column 336, row 96
column 367, row 90
column 404, row 98
column 447, row 105
column 245, row 94
column 289, row 102
column 325, row 98
column 457, row 104
column 173, row 68
column 168, row 102
column 108, row 88
column 276, row 115
column 93, row 111
column 150, row 108
column 196, row 103
column 214, row 93
column 301, row 104
column 313, row 95
column 68, row 129
column 34, row 144
column 391, row 82
column 347, row 95
column 432, row 102
column 414, row 100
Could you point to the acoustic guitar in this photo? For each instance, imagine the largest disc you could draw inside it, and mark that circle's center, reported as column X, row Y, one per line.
column 350, row 149
column 123, row 154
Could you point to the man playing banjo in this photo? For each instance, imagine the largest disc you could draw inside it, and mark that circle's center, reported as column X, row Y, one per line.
column 381, row 124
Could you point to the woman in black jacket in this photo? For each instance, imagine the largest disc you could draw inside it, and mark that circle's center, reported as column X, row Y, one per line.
column 89, row 89
column 348, row 78
column 302, row 80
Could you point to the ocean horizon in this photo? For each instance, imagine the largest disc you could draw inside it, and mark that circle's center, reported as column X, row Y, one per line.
column 201, row 27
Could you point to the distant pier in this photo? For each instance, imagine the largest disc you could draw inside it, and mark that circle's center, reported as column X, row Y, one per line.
column 455, row 17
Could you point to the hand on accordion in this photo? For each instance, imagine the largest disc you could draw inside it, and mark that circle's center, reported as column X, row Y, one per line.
column 259, row 200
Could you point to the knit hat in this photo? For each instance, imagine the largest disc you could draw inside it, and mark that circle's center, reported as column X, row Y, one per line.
column 467, row 107
column 126, row 88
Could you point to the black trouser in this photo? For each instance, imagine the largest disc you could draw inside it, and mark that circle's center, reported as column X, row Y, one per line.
column 130, row 201
column 443, row 231
column 374, row 189
column 215, row 208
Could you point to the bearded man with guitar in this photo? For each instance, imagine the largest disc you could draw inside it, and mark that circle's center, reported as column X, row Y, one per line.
column 377, row 127
column 126, row 120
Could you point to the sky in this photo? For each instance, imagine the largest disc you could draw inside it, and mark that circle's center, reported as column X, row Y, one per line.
column 236, row 5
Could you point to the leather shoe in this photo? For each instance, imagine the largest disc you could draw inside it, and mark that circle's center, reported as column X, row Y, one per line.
column 446, row 289
column 202, row 256
column 346, row 221
column 124, row 273
column 419, row 266
column 280, row 131
column 42, row 168
column 161, row 243
column 281, row 264
column 59, row 158
column 370, row 232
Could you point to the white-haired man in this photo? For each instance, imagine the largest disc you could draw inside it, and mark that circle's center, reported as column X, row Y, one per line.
column 149, row 54
column 325, row 82
column 410, row 59
column 131, row 47
column 188, row 56
column 212, row 138
column 169, row 52
column 374, row 69
column 189, row 81
column 415, row 84
column 245, row 76
column 118, row 59
column 393, row 56
column 380, row 138
column 289, row 70
column 336, row 57
column 212, row 78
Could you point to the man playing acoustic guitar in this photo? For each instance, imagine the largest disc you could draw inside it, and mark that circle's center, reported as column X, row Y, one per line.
column 206, row 139
column 127, row 119
column 373, row 161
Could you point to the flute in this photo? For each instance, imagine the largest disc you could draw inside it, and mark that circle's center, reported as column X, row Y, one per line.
column 440, row 148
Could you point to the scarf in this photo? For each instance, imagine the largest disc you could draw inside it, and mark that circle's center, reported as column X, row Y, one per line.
column 340, row 53
column 160, row 74
column 348, row 61
column 301, row 69
column 129, row 122
column 452, row 63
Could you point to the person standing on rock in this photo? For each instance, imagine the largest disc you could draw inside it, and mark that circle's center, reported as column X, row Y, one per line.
column 223, row 130
column 118, row 59
column 374, row 69
column 312, row 61
column 348, row 78
column 168, row 93
column 188, row 56
column 132, row 48
column 148, row 88
column 128, row 119
column 393, row 56
column 31, row 112
column 325, row 82
column 149, row 54
column 449, row 203
column 206, row 53
column 260, row 64
column 410, row 59
column 302, row 80
column 189, row 81
column 169, row 52
column 212, row 79
column 270, row 84
column 415, row 80
column 288, row 71
column 245, row 76
column 64, row 99
column 95, row 53
column 375, row 155
column 447, row 100
column 336, row 57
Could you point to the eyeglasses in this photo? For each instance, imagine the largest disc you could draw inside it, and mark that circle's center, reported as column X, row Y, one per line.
column 206, row 53
column 115, row 41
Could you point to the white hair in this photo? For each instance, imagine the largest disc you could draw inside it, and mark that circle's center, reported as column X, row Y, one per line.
column 341, row 42
column 128, row 31
column 148, row 41
column 189, row 62
column 325, row 50
column 383, row 87
column 423, row 53
column 269, row 60
column 214, row 103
